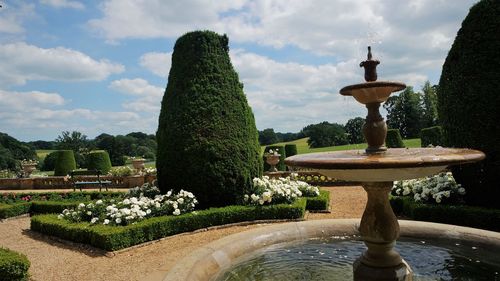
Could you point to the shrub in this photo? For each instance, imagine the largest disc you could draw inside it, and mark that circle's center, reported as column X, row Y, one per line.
column 469, row 98
column 114, row 238
column 278, row 190
column 432, row 136
column 49, row 163
column 281, row 151
column 320, row 202
column 123, row 171
column 58, row 196
column 146, row 190
column 15, row 209
column 52, row 207
column 13, row 266
column 476, row 217
column 290, row 150
column 65, row 163
column 393, row 139
column 207, row 138
column 440, row 188
column 99, row 160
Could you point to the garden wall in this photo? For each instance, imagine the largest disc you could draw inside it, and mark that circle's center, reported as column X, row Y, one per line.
column 64, row 183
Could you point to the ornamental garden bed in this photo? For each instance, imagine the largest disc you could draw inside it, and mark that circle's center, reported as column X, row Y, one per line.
column 13, row 266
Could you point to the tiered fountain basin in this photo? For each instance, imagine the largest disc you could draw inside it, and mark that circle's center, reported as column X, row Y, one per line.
column 394, row 164
column 215, row 259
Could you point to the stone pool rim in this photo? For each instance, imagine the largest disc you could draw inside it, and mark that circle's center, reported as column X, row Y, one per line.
column 207, row 261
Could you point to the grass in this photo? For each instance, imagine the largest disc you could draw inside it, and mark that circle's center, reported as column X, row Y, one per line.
column 42, row 153
column 303, row 147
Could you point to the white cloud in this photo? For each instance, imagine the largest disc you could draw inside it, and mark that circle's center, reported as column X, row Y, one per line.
column 157, row 63
column 22, row 62
column 148, row 96
column 39, row 115
column 64, row 4
column 13, row 15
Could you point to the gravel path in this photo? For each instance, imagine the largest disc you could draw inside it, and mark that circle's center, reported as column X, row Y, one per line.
column 53, row 260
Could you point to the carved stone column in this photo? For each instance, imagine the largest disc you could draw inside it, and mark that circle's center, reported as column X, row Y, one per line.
column 379, row 230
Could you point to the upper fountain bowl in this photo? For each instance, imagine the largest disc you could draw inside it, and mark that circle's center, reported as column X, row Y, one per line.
column 372, row 92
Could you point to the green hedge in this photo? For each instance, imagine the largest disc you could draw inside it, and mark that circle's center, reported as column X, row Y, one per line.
column 65, row 163
column 281, row 150
column 12, row 210
column 13, row 266
column 99, row 160
column 59, row 196
column 431, row 136
column 52, row 207
column 113, row 238
column 320, row 202
column 476, row 217
column 393, row 139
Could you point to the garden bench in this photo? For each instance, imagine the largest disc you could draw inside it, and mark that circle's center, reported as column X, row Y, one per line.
column 82, row 178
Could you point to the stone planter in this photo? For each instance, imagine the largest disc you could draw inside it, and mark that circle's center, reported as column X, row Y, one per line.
column 138, row 164
column 28, row 169
column 273, row 160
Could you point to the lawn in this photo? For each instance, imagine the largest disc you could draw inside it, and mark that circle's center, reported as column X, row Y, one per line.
column 302, row 146
column 42, row 153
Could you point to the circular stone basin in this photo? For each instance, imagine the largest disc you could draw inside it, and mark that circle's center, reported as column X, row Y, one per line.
column 394, row 164
column 429, row 247
column 371, row 92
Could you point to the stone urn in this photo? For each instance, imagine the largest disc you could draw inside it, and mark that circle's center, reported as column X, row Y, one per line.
column 138, row 164
column 28, row 168
column 273, row 160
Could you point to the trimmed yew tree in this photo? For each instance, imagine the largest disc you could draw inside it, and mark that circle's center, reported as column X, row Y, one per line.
column 469, row 100
column 207, row 138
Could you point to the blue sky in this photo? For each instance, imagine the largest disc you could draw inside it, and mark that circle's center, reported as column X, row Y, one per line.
column 102, row 66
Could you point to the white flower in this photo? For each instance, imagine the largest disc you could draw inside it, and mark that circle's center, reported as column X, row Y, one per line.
column 176, row 212
column 60, row 216
column 461, row 191
column 94, row 220
column 98, row 202
column 180, row 200
column 89, row 213
column 106, row 221
column 118, row 220
column 81, row 206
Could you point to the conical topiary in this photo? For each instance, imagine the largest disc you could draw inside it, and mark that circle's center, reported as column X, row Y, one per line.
column 99, row 160
column 207, row 139
column 65, row 163
column 469, row 100
column 393, row 139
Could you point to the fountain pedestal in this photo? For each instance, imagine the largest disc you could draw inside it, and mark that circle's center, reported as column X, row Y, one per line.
column 379, row 230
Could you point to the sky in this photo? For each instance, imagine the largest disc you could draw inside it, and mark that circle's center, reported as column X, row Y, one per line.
column 102, row 66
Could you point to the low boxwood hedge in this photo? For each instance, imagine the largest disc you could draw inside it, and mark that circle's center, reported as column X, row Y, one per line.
column 58, row 196
column 318, row 203
column 476, row 217
column 15, row 209
column 52, row 207
column 112, row 238
column 13, row 266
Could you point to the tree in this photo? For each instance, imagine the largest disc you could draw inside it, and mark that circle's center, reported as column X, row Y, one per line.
column 77, row 142
column 469, row 100
column 429, row 105
column 12, row 150
column 267, row 137
column 354, row 130
column 325, row 134
column 207, row 139
column 404, row 112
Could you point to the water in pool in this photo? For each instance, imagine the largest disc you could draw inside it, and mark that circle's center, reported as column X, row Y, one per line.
column 331, row 259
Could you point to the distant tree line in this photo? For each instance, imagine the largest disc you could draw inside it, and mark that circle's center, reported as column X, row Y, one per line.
column 409, row 112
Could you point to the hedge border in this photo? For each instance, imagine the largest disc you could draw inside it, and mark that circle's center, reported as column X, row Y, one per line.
column 14, row 266
column 470, row 216
column 318, row 203
column 111, row 238
column 15, row 209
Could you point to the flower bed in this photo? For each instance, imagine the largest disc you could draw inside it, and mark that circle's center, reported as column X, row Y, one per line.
column 112, row 238
column 13, row 266
column 318, row 203
column 470, row 216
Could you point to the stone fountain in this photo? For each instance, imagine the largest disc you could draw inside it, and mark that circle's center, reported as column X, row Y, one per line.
column 377, row 167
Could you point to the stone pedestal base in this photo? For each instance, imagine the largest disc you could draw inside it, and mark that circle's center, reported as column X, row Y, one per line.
column 401, row 272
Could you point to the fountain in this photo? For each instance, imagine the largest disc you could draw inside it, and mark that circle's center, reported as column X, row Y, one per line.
column 376, row 167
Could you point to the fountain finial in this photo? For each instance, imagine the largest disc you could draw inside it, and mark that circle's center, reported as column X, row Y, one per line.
column 370, row 66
